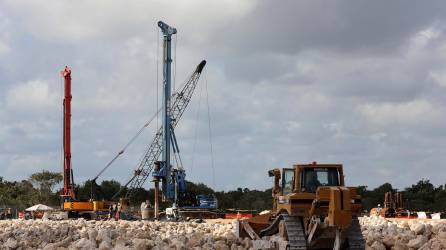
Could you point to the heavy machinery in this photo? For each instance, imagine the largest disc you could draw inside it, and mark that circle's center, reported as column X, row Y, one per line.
column 68, row 191
column 393, row 206
column 312, row 209
column 173, row 183
column 76, row 208
column 164, row 144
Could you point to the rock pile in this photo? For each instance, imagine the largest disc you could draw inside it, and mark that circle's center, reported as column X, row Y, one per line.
column 82, row 234
column 403, row 234
column 379, row 233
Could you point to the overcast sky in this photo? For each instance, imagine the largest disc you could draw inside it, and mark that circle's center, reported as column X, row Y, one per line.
column 361, row 83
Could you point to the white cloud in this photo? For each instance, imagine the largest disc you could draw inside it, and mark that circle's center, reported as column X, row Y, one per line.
column 31, row 95
column 415, row 112
column 439, row 78
column 23, row 165
column 4, row 48
column 105, row 19
column 280, row 91
column 423, row 38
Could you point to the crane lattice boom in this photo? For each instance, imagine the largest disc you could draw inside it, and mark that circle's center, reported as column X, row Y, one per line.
column 176, row 110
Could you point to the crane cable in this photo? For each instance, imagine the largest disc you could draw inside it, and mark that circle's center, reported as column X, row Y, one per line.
column 210, row 131
column 157, row 72
column 197, row 122
column 128, row 144
column 146, row 124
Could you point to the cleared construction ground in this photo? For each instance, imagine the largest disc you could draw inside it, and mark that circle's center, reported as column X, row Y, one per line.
column 82, row 234
column 400, row 234
column 379, row 233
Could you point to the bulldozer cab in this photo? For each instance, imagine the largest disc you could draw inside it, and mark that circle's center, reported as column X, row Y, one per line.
column 307, row 178
column 314, row 177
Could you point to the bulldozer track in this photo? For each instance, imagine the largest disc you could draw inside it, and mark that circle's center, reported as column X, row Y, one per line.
column 295, row 232
column 354, row 235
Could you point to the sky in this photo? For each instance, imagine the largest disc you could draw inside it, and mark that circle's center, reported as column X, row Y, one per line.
column 360, row 83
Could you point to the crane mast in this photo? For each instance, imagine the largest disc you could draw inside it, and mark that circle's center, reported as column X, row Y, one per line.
column 68, row 185
column 167, row 78
column 173, row 108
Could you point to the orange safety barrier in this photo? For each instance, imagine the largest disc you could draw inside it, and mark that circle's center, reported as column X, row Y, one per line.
column 238, row 216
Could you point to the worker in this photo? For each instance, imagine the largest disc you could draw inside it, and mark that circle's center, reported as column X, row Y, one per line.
column 110, row 212
column 378, row 211
column 118, row 211
column 312, row 182
column 114, row 210
column 9, row 214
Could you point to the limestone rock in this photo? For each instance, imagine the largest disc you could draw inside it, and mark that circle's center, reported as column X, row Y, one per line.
column 417, row 228
column 377, row 245
column 442, row 235
column 379, row 233
column 84, row 244
column 417, row 242
column 11, row 243
column 105, row 245
column 389, row 241
column 399, row 246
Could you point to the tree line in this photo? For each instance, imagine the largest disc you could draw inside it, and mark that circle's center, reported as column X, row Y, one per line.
column 41, row 188
column 422, row 196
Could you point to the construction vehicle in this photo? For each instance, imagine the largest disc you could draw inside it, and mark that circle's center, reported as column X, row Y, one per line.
column 312, row 209
column 173, row 183
column 76, row 208
column 393, row 206
column 164, row 144
column 172, row 179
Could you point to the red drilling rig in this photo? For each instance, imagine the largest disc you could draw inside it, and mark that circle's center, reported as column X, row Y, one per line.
column 68, row 184
column 75, row 207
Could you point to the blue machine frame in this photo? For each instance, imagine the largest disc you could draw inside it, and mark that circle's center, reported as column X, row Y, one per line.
column 173, row 181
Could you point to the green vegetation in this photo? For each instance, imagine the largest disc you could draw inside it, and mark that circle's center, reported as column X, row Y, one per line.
column 245, row 199
column 40, row 188
column 44, row 182
column 423, row 196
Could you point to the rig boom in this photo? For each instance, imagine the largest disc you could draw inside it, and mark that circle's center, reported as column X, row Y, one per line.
column 153, row 152
column 68, row 184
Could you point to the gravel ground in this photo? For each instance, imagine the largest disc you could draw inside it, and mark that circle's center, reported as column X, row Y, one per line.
column 403, row 234
column 82, row 234
column 380, row 234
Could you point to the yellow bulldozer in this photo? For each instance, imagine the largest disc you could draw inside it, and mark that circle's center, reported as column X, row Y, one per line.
column 312, row 209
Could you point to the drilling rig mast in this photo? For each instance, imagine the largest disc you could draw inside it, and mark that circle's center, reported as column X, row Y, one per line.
column 68, row 184
column 173, row 183
column 71, row 203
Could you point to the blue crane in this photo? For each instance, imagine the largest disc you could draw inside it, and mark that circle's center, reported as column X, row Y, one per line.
column 164, row 142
